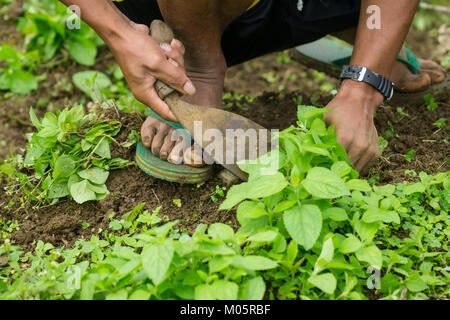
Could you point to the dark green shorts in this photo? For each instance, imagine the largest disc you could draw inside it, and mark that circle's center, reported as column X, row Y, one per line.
column 270, row 26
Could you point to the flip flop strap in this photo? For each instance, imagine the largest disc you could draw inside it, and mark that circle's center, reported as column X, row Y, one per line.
column 411, row 61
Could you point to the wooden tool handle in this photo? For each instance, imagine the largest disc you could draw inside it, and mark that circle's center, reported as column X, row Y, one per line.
column 161, row 33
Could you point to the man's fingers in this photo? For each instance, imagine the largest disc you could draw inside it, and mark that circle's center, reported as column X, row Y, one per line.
column 367, row 161
column 174, row 76
column 150, row 97
column 174, row 53
column 177, row 44
column 342, row 140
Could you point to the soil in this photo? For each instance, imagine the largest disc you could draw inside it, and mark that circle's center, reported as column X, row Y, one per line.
column 61, row 224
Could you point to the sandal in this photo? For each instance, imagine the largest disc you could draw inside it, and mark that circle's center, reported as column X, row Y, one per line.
column 165, row 170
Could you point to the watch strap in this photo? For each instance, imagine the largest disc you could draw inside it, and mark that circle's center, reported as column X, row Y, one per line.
column 362, row 74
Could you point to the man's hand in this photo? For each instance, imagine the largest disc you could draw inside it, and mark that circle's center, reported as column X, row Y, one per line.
column 143, row 61
column 353, row 111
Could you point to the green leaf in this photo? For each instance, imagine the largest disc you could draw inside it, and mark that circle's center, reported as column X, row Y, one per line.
column 367, row 231
column 213, row 249
column 254, row 289
column 341, row 168
column 264, row 236
column 260, row 187
column 415, row 284
column 204, row 292
column 84, row 81
column 336, row 214
column 235, row 195
column 156, row 260
column 98, row 188
column 304, row 224
column 254, row 263
column 413, row 188
column 103, row 149
column 377, row 214
column 33, row 118
column 219, row 290
column 81, row 193
column 83, row 51
column 248, row 211
column 350, row 244
column 58, row 190
column 371, row 255
column 306, row 114
column 23, row 82
column 140, row 294
column 64, row 166
column 326, row 255
column 95, row 174
column 221, row 231
column 325, row 184
column 359, row 185
column 119, row 295
column 325, row 282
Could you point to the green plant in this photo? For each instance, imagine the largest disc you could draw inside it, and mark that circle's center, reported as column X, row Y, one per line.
column 440, row 123
column 70, row 154
column 219, row 192
column 44, row 26
column 99, row 87
column 239, row 100
column 430, row 102
column 409, row 156
column 310, row 229
column 17, row 75
column 382, row 144
column 283, row 57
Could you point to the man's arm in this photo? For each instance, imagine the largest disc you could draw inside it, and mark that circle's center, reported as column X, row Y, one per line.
column 356, row 103
column 104, row 17
column 141, row 59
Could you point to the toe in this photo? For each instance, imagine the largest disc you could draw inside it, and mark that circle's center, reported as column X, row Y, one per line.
column 414, row 83
column 169, row 142
column 434, row 70
column 194, row 157
column 176, row 155
column 148, row 131
column 159, row 138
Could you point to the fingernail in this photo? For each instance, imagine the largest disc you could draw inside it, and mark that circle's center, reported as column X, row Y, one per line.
column 174, row 62
column 163, row 155
column 146, row 139
column 166, row 47
column 176, row 43
column 189, row 88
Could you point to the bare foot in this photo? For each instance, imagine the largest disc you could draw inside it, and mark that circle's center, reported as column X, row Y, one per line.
column 165, row 141
column 405, row 81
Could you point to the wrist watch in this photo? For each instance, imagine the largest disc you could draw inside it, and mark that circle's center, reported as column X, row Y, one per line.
column 362, row 74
